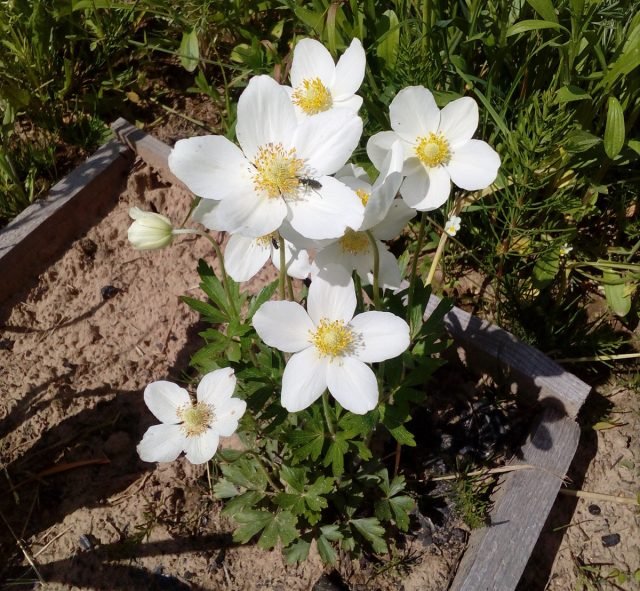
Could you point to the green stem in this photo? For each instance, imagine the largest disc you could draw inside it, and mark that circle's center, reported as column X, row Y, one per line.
column 416, row 255
column 358, row 285
column 376, row 270
column 436, row 257
column 327, row 413
column 223, row 272
column 283, row 269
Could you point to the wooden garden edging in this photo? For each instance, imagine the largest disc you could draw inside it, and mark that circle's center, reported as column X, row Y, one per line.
column 497, row 554
column 37, row 235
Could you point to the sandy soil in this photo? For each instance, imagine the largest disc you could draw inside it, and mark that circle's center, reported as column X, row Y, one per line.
column 76, row 350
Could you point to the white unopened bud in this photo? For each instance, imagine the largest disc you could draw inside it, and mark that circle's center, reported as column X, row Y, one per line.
column 149, row 230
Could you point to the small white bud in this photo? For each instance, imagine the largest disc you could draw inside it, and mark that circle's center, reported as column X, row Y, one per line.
column 149, row 230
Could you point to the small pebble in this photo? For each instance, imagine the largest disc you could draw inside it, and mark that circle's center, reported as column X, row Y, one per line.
column 85, row 542
column 6, row 345
column 109, row 291
column 594, row 510
column 610, row 540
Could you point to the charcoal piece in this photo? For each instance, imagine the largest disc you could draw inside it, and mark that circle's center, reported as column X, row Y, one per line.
column 610, row 540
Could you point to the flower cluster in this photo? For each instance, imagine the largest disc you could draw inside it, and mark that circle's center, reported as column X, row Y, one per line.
column 287, row 192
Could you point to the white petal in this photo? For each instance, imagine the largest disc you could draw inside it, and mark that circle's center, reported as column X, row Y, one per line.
column 334, row 255
column 161, row 443
column 327, row 140
column 332, row 295
column 459, row 121
column 379, row 146
column 384, row 189
column 304, row 380
column 326, row 212
column 352, row 170
column 311, row 60
column 353, row 384
column 210, row 166
column 383, row 336
column 283, row 325
column 426, row 190
column 217, row 386
column 389, row 275
column 298, row 263
column 349, row 72
column 228, row 415
column 397, row 217
column 265, row 115
column 474, row 165
column 352, row 104
column 413, row 112
column 244, row 257
column 201, row 448
column 164, row 399
column 251, row 214
column 206, row 214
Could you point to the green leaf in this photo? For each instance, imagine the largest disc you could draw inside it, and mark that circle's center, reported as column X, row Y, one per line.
column 571, row 93
column 250, row 523
column 532, row 25
column 282, row 526
column 546, row 268
column 617, row 292
column 580, row 141
column 189, row 51
column 298, row 551
column 335, row 456
column 614, row 130
column 634, row 145
column 401, row 507
column 245, row 501
column 387, row 48
column 223, row 489
column 331, row 532
column 264, row 296
column 371, row 530
column 545, row 9
column 207, row 311
column 246, row 473
column 327, row 553
column 294, row 477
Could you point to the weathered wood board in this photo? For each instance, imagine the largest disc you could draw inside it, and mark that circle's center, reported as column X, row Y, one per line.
column 31, row 240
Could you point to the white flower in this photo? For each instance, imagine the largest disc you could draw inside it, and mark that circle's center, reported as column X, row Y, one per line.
column 384, row 215
column 149, row 230
column 320, row 85
column 192, row 428
column 437, row 147
column 282, row 170
column 565, row 250
column 244, row 257
column 331, row 347
column 452, row 227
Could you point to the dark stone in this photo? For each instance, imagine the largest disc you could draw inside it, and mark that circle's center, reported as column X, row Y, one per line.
column 109, row 291
column 610, row 540
column 594, row 510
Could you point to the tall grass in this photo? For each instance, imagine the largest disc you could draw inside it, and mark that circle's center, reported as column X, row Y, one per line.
column 557, row 81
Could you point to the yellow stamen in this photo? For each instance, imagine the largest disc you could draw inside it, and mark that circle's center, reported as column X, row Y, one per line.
column 277, row 170
column 196, row 419
column 333, row 338
column 312, row 96
column 433, row 150
column 354, row 242
column 267, row 239
column 364, row 196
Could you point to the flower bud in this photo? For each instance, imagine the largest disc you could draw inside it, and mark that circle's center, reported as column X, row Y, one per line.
column 149, row 230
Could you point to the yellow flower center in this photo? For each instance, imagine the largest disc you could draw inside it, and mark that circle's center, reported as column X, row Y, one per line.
column 364, row 196
column 196, row 419
column 433, row 150
column 312, row 96
column 267, row 239
column 277, row 170
column 333, row 338
column 354, row 242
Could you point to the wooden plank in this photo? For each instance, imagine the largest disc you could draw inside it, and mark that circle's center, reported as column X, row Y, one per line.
column 500, row 354
column 154, row 152
column 31, row 240
column 498, row 554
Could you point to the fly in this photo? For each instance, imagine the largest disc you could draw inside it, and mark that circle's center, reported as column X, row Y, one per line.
column 275, row 243
column 310, row 183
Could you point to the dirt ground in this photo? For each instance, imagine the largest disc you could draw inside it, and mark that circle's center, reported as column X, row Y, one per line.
column 76, row 350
